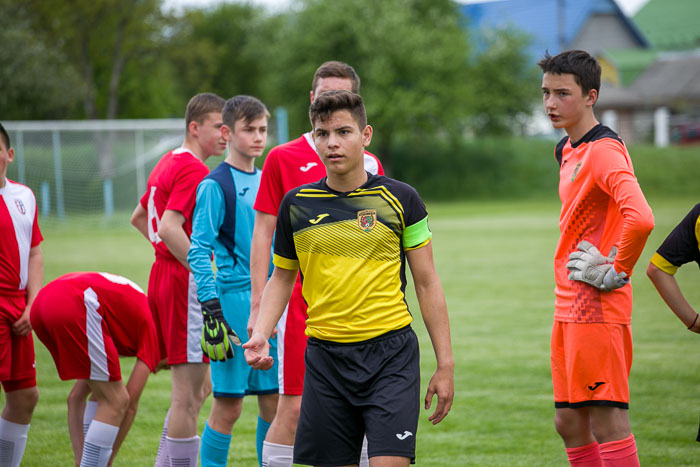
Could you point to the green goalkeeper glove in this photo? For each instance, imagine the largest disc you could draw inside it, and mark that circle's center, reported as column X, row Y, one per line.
column 217, row 336
column 590, row 266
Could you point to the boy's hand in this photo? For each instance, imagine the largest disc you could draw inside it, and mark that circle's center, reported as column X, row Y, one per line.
column 22, row 326
column 590, row 266
column 217, row 336
column 257, row 352
column 442, row 384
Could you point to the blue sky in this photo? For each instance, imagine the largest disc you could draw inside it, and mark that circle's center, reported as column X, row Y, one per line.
column 630, row 7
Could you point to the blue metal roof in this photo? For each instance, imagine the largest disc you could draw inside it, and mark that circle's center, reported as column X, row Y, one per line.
column 540, row 19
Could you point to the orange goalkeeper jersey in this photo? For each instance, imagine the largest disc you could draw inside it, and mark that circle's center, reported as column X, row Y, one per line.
column 602, row 203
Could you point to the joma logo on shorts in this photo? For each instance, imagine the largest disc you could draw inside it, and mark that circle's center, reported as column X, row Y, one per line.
column 405, row 435
column 596, row 385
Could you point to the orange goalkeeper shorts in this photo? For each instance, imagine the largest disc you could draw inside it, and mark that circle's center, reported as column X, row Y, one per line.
column 591, row 364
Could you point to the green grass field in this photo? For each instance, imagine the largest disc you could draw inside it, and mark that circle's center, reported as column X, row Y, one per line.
column 495, row 261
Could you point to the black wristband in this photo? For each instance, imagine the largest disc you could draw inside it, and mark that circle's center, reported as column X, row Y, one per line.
column 694, row 321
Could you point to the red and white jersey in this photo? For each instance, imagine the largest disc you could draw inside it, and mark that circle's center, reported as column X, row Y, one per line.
column 172, row 185
column 110, row 300
column 19, row 233
column 292, row 164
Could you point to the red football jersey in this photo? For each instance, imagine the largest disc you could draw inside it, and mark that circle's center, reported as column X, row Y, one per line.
column 122, row 305
column 19, row 233
column 172, row 185
column 603, row 204
column 292, row 164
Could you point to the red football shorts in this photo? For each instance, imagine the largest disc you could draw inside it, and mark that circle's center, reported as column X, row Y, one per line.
column 291, row 344
column 76, row 335
column 591, row 364
column 17, row 362
column 172, row 297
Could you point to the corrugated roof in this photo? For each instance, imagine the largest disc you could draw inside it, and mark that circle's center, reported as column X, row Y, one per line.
column 670, row 24
column 541, row 20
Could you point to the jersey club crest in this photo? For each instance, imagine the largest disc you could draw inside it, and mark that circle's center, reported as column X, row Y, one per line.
column 20, row 207
column 367, row 219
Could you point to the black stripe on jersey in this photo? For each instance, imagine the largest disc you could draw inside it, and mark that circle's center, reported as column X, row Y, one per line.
column 596, row 133
column 681, row 245
column 559, row 150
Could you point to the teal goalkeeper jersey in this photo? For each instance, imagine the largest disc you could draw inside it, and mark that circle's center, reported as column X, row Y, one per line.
column 232, row 261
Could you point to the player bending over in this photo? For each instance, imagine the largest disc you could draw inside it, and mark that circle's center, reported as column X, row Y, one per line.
column 603, row 209
column 349, row 235
column 223, row 224
column 88, row 320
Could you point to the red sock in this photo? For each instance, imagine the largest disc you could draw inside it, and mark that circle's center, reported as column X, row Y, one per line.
column 622, row 453
column 585, row 456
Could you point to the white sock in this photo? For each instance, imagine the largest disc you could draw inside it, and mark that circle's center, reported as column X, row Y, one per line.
column 98, row 444
column 13, row 439
column 88, row 415
column 277, row 455
column 364, row 458
column 162, row 458
column 183, row 451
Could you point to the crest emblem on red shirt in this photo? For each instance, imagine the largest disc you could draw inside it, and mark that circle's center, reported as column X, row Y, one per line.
column 576, row 169
column 20, row 207
column 367, row 219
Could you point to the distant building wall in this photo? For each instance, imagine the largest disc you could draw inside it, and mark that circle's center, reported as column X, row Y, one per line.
column 604, row 31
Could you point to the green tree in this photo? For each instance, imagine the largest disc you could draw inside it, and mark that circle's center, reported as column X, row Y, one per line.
column 412, row 57
column 98, row 38
column 219, row 49
column 34, row 81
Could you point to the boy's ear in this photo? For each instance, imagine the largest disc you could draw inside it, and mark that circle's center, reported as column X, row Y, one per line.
column 226, row 132
column 367, row 135
column 592, row 97
column 193, row 128
column 10, row 154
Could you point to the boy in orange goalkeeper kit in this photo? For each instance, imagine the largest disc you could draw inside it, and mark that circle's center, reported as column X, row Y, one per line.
column 603, row 209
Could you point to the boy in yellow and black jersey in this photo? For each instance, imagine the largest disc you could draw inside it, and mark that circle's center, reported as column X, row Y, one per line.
column 352, row 242
column 350, row 235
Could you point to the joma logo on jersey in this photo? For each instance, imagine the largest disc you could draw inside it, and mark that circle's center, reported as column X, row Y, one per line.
column 319, row 218
column 20, row 207
column 367, row 219
column 307, row 167
column 576, row 169
column 243, row 191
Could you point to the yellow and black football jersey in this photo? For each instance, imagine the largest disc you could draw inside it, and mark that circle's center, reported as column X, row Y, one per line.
column 682, row 244
column 350, row 250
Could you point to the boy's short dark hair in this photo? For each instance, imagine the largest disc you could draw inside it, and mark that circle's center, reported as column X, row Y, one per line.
column 5, row 136
column 201, row 105
column 336, row 69
column 332, row 101
column 246, row 108
column 581, row 64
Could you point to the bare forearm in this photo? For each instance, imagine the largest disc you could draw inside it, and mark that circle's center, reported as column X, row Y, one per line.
column 35, row 277
column 274, row 300
column 171, row 232
column 668, row 288
column 260, row 252
column 139, row 219
column 137, row 381
column 431, row 300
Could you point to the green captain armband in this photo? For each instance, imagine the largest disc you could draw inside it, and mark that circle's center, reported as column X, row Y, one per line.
column 416, row 235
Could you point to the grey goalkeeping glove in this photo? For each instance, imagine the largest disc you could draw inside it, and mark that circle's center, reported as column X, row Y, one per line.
column 590, row 266
column 218, row 338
